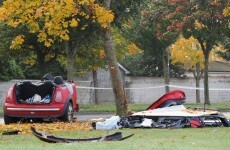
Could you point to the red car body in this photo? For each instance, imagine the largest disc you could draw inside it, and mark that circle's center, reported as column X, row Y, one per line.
column 175, row 97
column 62, row 103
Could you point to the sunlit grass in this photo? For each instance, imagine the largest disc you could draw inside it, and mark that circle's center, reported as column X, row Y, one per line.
column 145, row 139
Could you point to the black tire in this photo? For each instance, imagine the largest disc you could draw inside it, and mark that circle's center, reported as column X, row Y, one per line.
column 68, row 115
column 9, row 120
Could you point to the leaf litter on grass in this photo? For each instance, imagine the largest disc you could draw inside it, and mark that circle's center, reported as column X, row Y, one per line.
column 24, row 128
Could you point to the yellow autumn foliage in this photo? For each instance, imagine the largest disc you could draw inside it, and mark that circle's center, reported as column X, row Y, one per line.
column 29, row 61
column 188, row 52
column 17, row 42
column 51, row 19
column 102, row 54
column 198, row 25
column 227, row 12
column 48, row 127
column 103, row 16
column 133, row 49
column 73, row 23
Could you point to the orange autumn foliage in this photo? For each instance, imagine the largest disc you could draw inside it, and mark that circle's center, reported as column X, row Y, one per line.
column 188, row 52
column 48, row 127
column 51, row 19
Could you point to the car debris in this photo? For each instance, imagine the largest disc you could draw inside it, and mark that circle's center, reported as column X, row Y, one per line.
column 174, row 117
column 107, row 124
column 14, row 132
column 52, row 139
column 168, row 112
column 176, row 97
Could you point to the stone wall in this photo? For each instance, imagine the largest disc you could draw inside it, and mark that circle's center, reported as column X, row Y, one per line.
column 149, row 95
column 106, row 95
column 140, row 91
column 4, row 86
column 84, row 96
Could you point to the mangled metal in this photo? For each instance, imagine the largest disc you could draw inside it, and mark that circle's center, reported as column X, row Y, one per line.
column 174, row 117
column 167, row 112
column 14, row 132
column 52, row 139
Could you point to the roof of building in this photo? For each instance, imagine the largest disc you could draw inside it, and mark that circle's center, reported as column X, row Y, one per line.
column 218, row 66
column 123, row 68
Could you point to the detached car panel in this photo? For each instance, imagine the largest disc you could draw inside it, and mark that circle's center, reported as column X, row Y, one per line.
column 40, row 100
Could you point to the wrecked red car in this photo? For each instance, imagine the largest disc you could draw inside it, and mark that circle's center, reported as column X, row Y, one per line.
column 168, row 112
column 49, row 99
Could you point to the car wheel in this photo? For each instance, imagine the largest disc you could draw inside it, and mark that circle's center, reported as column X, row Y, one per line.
column 68, row 115
column 9, row 120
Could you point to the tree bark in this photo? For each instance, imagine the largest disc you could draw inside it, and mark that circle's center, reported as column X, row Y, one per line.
column 95, row 83
column 206, row 85
column 198, row 73
column 197, row 91
column 41, row 65
column 166, row 70
column 40, row 60
column 115, row 75
column 206, row 48
column 70, row 60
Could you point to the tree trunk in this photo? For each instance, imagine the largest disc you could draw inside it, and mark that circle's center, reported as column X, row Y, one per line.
column 166, row 70
column 40, row 61
column 115, row 75
column 206, row 48
column 198, row 73
column 41, row 65
column 206, row 86
column 95, row 83
column 70, row 61
column 197, row 91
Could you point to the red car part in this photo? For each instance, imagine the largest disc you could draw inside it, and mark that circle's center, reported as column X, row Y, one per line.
column 175, row 97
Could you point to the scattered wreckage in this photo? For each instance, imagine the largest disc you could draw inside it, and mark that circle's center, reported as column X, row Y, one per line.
column 167, row 112
column 52, row 139
column 175, row 117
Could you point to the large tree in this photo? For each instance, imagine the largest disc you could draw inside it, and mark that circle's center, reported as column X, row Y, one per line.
column 154, row 22
column 204, row 20
column 187, row 53
column 32, row 53
column 118, row 88
column 53, row 20
column 91, row 57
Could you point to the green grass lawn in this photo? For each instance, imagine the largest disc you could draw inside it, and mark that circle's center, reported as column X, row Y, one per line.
column 143, row 139
column 141, row 107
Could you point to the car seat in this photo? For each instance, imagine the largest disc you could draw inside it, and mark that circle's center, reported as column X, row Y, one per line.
column 47, row 77
column 58, row 80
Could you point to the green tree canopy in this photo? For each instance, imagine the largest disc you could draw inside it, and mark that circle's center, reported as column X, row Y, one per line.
column 204, row 20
